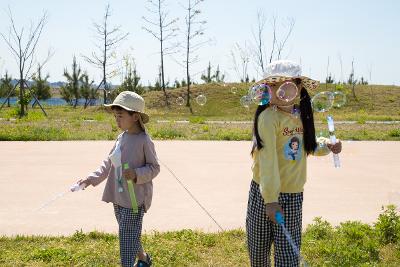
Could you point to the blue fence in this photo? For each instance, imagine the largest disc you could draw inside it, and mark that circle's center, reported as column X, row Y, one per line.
column 55, row 102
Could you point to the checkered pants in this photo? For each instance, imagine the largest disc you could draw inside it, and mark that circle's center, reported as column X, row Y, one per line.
column 261, row 232
column 130, row 229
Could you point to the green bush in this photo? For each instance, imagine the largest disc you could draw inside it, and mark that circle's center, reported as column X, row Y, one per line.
column 320, row 229
column 394, row 133
column 166, row 134
column 388, row 226
column 349, row 244
column 197, row 120
column 50, row 255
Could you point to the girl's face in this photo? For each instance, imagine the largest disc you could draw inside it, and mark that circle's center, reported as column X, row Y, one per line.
column 124, row 120
column 275, row 91
column 295, row 145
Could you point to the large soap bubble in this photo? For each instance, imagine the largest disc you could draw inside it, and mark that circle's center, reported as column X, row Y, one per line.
column 339, row 99
column 245, row 101
column 180, row 101
column 322, row 101
column 201, row 100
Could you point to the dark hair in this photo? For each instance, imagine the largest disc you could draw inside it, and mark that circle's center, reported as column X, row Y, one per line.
column 257, row 143
column 307, row 118
column 118, row 108
column 294, row 139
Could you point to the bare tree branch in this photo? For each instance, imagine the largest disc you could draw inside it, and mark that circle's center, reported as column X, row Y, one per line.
column 108, row 38
column 282, row 44
column 162, row 30
column 244, row 57
column 24, row 52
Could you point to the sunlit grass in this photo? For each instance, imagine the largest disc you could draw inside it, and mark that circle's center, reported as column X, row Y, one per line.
column 373, row 103
column 352, row 243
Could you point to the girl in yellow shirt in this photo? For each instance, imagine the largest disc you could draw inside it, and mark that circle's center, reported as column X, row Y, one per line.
column 284, row 135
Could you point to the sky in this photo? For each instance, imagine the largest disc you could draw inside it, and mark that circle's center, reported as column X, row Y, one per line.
column 365, row 32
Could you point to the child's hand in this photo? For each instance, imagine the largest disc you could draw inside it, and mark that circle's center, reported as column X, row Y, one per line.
column 84, row 182
column 79, row 185
column 129, row 174
column 336, row 148
column 272, row 208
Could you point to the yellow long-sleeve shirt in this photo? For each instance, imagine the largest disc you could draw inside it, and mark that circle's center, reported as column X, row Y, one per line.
column 280, row 166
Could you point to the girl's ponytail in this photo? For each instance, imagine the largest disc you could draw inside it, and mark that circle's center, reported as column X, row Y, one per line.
column 257, row 142
column 306, row 114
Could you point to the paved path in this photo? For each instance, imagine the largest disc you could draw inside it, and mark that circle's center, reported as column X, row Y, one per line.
column 217, row 173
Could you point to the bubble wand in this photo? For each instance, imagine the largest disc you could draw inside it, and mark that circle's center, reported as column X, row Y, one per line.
column 331, row 129
column 73, row 188
column 131, row 190
column 281, row 221
column 77, row 187
column 323, row 102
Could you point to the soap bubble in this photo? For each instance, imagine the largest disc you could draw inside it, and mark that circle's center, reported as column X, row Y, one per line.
column 201, row 100
column 322, row 101
column 180, row 100
column 339, row 99
column 245, row 101
column 287, row 91
column 260, row 94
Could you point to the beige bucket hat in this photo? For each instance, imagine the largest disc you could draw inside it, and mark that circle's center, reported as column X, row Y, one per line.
column 130, row 101
column 282, row 70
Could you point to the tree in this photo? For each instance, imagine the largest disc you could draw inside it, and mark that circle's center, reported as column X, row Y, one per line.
column 363, row 81
column 157, row 84
column 71, row 91
column 24, row 53
column 329, row 79
column 219, row 78
column 240, row 58
column 259, row 50
column 194, row 29
column 40, row 87
column 131, row 77
column 6, row 87
column 352, row 81
column 108, row 39
column 278, row 44
column 183, row 83
column 87, row 91
column 208, row 77
column 164, row 30
column 247, row 80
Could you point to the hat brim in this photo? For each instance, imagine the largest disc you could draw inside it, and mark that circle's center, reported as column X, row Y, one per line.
column 145, row 117
column 305, row 81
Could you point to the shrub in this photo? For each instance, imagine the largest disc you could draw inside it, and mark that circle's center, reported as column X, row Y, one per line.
column 388, row 225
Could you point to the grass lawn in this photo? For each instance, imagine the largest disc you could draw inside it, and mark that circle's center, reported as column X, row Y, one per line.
column 373, row 103
column 349, row 244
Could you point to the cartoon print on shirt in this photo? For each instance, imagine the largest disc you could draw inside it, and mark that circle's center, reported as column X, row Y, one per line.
column 293, row 149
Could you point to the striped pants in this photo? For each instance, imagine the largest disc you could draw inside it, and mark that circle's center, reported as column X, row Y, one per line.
column 130, row 229
column 262, row 232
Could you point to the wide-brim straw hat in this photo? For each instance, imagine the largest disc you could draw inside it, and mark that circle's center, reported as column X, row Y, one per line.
column 282, row 70
column 130, row 101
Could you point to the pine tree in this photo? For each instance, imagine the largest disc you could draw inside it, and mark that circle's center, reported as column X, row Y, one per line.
column 41, row 87
column 5, row 87
column 87, row 91
column 71, row 91
column 131, row 82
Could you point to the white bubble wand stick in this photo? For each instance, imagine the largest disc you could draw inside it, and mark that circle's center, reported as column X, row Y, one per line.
column 73, row 188
column 76, row 187
column 281, row 221
column 331, row 129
